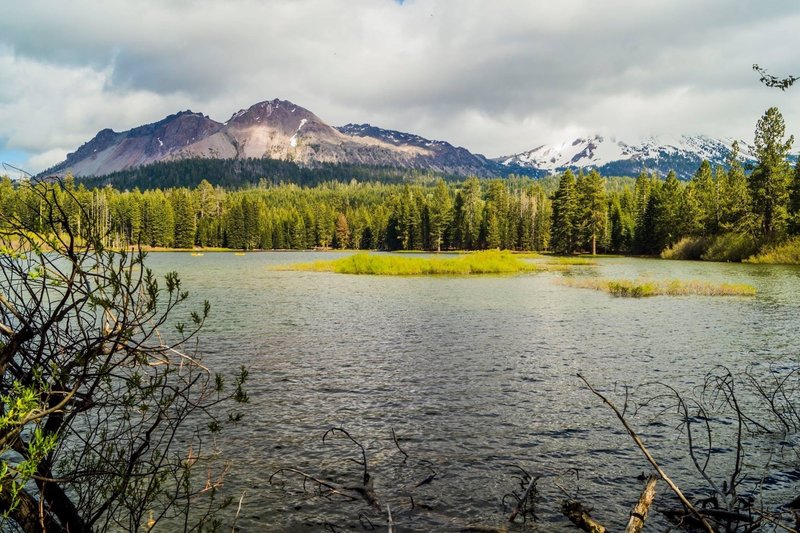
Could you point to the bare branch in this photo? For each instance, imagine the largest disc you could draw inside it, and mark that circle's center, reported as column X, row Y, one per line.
column 650, row 458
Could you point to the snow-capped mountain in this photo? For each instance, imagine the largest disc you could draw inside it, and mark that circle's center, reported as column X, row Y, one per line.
column 611, row 157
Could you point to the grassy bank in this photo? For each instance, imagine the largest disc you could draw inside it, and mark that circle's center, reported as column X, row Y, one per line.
column 675, row 287
column 489, row 262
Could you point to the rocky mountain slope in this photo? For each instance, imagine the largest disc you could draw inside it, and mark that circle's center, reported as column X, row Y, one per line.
column 275, row 129
column 611, row 157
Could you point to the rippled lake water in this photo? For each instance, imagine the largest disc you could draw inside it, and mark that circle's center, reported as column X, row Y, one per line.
column 474, row 374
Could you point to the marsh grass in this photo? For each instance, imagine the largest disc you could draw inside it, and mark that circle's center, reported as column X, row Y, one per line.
column 675, row 287
column 488, row 262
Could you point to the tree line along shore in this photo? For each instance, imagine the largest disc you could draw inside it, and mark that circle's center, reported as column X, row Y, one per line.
column 728, row 213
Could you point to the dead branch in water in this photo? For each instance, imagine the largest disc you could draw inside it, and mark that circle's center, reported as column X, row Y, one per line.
column 366, row 490
column 394, row 438
column 651, row 459
column 525, row 502
column 332, row 488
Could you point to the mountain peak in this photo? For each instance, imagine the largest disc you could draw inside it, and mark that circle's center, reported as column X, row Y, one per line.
column 269, row 111
column 682, row 153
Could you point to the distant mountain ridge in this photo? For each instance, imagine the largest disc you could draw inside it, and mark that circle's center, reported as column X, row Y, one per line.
column 281, row 130
column 610, row 157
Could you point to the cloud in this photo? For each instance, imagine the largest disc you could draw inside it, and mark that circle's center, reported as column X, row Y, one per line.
column 495, row 77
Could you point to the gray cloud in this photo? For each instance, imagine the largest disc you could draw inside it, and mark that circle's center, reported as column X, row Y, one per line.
column 495, row 77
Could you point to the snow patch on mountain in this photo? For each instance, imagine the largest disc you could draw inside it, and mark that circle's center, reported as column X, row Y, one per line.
column 293, row 139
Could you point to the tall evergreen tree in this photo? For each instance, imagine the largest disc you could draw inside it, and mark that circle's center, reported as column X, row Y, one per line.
column 441, row 213
column 734, row 195
column 565, row 216
column 185, row 218
column 669, row 213
column 705, row 193
column 469, row 214
column 769, row 181
column 621, row 226
column 342, row 232
column 593, row 208
column 691, row 213
column 158, row 219
column 794, row 201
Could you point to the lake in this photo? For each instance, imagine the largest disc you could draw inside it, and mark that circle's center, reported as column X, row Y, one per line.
column 474, row 375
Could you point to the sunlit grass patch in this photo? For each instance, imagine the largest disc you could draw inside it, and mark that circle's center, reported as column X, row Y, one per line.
column 489, row 262
column 675, row 287
column 571, row 261
column 553, row 263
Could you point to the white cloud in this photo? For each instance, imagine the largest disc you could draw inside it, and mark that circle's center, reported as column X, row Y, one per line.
column 495, row 77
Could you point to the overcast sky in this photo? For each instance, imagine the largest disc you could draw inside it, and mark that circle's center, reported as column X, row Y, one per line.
column 497, row 77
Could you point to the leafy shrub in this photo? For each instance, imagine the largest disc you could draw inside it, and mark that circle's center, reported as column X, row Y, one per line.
column 689, row 248
column 786, row 253
column 734, row 247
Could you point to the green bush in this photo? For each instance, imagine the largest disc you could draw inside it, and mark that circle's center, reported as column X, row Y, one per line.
column 785, row 253
column 689, row 248
column 734, row 247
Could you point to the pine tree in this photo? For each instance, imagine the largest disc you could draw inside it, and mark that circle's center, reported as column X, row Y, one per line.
column 691, row 212
column 706, row 195
column 158, row 219
column 617, row 221
column 342, row 232
column 440, row 213
column 297, row 239
column 498, row 206
column 565, row 215
column 185, row 219
column 669, row 215
column 734, row 195
column 543, row 217
column 769, row 181
column 593, row 208
column 468, row 215
column 794, row 201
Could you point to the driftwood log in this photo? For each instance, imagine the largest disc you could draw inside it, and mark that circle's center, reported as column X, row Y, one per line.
column 639, row 512
column 579, row 515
